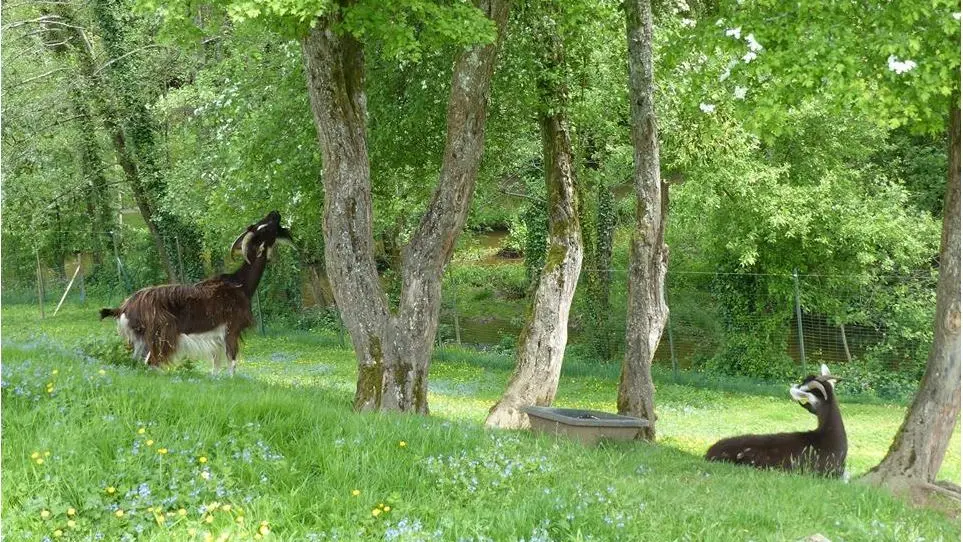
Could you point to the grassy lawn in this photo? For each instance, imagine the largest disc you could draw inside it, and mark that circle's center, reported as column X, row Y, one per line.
column 277, row 453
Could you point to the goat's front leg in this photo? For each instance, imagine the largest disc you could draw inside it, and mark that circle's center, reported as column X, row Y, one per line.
column 231, row 347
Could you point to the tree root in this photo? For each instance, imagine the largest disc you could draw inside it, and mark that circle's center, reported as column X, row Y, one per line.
column 941, row 496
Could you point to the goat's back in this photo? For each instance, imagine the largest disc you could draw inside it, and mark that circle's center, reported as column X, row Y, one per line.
column 189, row 308
column 779, row 450
column 802, row 451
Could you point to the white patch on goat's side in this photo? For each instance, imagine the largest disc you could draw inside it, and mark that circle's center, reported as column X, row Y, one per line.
column 209, row 345
column 802, row 396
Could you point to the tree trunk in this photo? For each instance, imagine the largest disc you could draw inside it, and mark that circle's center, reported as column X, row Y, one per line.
column 917, row 452
column 647, row 309
column 541, row 344
column 130, row 124
column 393, row 350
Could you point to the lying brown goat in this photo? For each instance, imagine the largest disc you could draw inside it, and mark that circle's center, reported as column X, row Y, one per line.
column 822, row 451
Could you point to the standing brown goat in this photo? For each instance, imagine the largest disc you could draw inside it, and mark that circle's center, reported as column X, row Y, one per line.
column 822, row 451
column 202, row 320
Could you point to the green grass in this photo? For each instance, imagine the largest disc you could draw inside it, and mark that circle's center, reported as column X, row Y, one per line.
column 283, row 446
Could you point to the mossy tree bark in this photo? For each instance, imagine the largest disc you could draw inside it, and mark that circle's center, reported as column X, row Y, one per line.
column 648, row 260
column 914, row 458
column 392, row 348
column 541, row 344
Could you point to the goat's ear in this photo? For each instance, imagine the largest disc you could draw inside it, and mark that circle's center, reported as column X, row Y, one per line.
column 824, row 370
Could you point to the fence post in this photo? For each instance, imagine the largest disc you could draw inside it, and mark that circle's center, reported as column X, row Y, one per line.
column 454, row 307
column 260, row 315
column 675, row 361
column 40, row 292
column 799, row 325
column 120, row 272
column 83, row 284
column 180, row 259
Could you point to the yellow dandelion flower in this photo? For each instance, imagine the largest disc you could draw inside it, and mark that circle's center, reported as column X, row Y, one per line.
column 202, row 459
column 119, row 513
column 214, row 504
column 257, row 536
column 263, row 530
column 101, row 372
column 239, row 519
column 162, row 451
column 387, row 509
column 356, row 492
column 381, row 505
column 71, row 511
column 264, row 522
column 402, row 444
column 208, row 537
column 192, row 531
column 39, row 461
column 45, row 514
column 150, row 442
column 159, row 519
column 226, row 508
column 182, row 512
column 111, row 490
column 150, row 508
column 54, row 372
column 376, row 512
column 208, row 519
column 222, row 537
column 35, row 455
column 46, row 454
column 71, row 523
column 141, row 431
column 58, row 533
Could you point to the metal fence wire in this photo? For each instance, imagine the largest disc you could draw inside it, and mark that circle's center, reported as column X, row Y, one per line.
column 765, row 325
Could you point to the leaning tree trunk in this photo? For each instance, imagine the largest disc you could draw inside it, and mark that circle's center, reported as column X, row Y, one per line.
column 914, row 458
column 393, row 350
column 541, row 344
column 647, row 309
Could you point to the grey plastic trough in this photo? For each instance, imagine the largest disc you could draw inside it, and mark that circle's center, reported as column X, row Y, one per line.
column 586, row 426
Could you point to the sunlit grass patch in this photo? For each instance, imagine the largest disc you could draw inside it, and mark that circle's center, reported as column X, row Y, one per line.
column 277, row 453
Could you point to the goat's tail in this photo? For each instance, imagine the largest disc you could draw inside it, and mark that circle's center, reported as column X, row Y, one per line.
column 111, row 313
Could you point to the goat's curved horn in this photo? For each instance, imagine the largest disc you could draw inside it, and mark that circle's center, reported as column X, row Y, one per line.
column 815, row 384
column 240, row 244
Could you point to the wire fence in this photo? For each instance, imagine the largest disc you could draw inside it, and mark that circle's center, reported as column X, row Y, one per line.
column 761, row 325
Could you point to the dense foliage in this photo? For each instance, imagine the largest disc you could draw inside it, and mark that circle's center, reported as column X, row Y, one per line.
column 773, row 170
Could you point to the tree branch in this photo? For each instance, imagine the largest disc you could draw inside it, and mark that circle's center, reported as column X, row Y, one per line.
column 35, row 78
column 127, row 54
